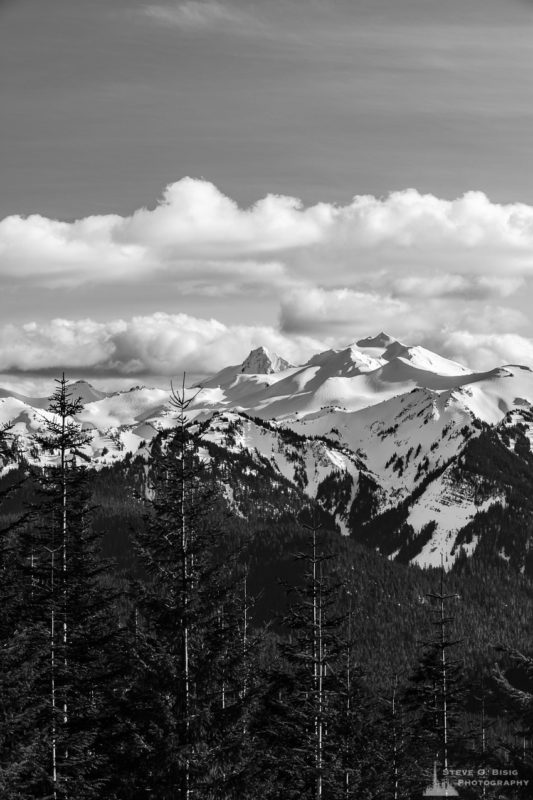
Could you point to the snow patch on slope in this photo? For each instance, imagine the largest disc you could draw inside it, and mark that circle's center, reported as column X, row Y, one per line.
column 451, row 507
column 305, row 463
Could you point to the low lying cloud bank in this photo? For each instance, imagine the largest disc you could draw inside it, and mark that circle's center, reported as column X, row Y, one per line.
column 486, row 351
column 411, row 317
column 166, row 344
column 159, row 344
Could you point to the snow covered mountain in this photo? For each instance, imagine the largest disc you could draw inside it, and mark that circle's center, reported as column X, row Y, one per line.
column 261, row 361
column 363, row 374
column 380, row 433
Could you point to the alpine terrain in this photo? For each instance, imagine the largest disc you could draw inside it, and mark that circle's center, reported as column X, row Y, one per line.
column 406, row 451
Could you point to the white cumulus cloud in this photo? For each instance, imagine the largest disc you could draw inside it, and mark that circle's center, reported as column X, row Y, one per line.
column 487, row 350
column 196, row 229
column 419, row 266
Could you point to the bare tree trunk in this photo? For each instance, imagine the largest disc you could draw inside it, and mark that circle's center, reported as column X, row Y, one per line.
column 181, row 404
column 245, row 636
column 223, row 687
column 444, row 676
column 185, row 598
column 53, row 692
column 395, row 739
column 316, row 649
column 64, row 565
column 320, row 709
column 483, row 732
column 348, row 697
column 53, row 687
column 442, row 643
column 245, row 646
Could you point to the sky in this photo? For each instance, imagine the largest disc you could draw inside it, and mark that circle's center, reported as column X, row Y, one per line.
column 183, row 180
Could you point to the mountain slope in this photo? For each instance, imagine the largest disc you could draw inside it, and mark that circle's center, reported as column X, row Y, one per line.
column 378, row 432
column 358, row 376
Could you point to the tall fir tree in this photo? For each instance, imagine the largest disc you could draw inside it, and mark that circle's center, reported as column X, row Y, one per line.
column 515, row 688
column 368, row 728
column 434, row 697
column 309, row 723
column 66, row 596
column 192, row 664
column 20, row 741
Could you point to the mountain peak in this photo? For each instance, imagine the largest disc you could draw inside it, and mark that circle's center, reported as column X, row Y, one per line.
column 86, row 392
column 81, row 383
column 262, row 362
column 381, row 340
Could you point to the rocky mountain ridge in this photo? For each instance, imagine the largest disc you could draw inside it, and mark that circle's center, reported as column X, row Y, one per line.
column 379, row 433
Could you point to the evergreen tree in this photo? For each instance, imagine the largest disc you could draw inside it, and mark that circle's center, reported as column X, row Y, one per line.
column 395, row 766
column 515, row 686
column 189, row 644
column 66, row 596
column 19, row 703
column 359, row 735
column 434, row 697
column 306, row 724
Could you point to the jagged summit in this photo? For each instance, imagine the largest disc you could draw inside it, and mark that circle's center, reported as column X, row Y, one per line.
column 259, row 367
column 86, row 392
column 381, row 340
column 394, row 351
column 355, row 377
column 347, row 362
column 262, row 362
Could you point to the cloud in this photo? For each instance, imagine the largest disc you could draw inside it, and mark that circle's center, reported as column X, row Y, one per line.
column 161, row 344
column 196, row 233
column 446, row 285
column 345, row 315
column 198, row 15
column 489, row 349
column 54, row 252
column 414, row 264
column 338, row 311
column 169, row 344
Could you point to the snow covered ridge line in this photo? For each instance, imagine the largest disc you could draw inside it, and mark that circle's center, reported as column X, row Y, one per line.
column 363, row 374
column 366, row 429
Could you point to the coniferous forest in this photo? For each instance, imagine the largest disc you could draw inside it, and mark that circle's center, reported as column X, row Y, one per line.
column 154, row 645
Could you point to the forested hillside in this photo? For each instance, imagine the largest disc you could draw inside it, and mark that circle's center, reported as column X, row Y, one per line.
column 188, row 623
